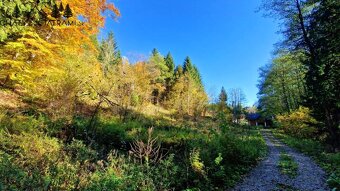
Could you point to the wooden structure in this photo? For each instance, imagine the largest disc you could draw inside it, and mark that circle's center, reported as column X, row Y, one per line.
column 255, row 119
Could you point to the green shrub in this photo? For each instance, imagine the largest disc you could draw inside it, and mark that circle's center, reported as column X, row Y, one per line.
column 21, row 123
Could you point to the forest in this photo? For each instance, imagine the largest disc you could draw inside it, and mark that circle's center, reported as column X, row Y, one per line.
column 75, row 114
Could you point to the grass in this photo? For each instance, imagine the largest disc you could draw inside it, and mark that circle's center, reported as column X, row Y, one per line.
column 329, row 161
column 287, row 165
column 198, row 155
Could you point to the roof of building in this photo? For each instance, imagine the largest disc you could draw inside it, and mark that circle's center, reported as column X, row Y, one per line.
column 253, row 116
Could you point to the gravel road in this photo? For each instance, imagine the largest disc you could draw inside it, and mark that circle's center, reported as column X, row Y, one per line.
column 267, row 176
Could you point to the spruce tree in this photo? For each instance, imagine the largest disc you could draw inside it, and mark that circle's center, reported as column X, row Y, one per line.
column 223, row 97
column 195, row 74
column 55, row 12
column 169, row 61
column 187, row 66
column 155, row 52
column 222, row 107
column 68, row 12
column 16, row 12
column 108, row 51
column 118, row 59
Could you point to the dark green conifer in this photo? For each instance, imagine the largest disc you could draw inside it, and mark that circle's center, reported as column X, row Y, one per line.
column 169, row 61
column 187, row 65
column 155, row 52
column 16, row 12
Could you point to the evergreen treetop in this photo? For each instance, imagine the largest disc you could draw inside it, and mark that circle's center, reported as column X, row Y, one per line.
column 187, row 65
column 169, row 61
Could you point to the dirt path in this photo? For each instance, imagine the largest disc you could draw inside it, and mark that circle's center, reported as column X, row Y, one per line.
column 267, row 175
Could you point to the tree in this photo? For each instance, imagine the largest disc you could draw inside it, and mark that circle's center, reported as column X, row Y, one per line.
column 187, row 98
column 223, row 97
column 109, row 53
column 30, row 54
column 169, row 62
column 155, row 52
column 312, row 26
column 160, row 71
column 197, row 76
column 187, row 65
column 282, row 84
column 68, row 12
column 223, row 112
column 178, row 71
column 192, row 70
column 322, row 77
column 16, row 12
column 236, row 100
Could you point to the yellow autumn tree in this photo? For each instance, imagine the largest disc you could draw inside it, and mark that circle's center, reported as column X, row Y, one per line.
column 39, row 50
column 187, row 97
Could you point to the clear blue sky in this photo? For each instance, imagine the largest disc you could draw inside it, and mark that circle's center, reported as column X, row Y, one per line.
column 227, row 39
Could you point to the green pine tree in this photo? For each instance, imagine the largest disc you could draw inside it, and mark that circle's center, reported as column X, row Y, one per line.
column 109, row 53
column 223, row 97
column 68, row 12
column 16, row 12
column 169, row 61
column 222, row 107
column 187, row 65
column 195, row 74
column 155, row 52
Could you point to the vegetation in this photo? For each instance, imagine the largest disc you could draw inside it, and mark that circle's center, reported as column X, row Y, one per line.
column 300, row 87
column 77, row 115
column 39, row 153
column 287, row 165
column 305, row 71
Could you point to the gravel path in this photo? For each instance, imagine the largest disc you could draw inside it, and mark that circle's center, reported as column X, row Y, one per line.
column 267, row 176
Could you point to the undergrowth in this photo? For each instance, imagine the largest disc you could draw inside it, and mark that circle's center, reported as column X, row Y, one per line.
column 37, row 153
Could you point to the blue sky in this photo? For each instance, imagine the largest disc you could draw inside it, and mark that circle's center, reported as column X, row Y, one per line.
column 227, row 39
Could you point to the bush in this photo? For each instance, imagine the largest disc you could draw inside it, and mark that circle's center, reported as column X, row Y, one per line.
column 230, row 155
column 37, row 161
column 19, row 123
column 298, row 124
